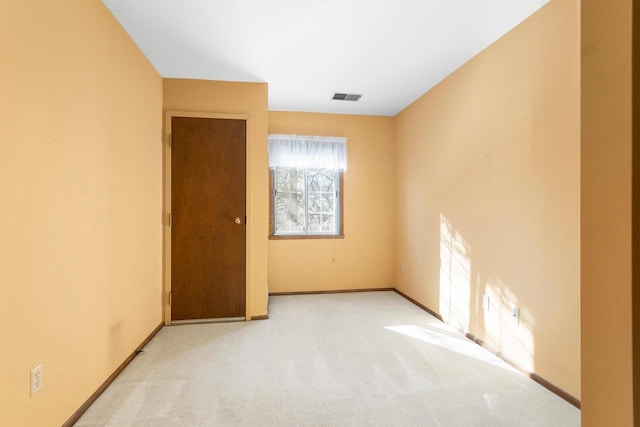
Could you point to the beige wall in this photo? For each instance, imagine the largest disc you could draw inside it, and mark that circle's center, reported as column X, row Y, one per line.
column 80, row 184
column 488, row 185
column 487, row 166
column 606, row 214
column 238, row 98
column 364, row 258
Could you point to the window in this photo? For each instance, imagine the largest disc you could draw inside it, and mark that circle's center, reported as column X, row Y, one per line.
column 306, row 202
column 306, row 186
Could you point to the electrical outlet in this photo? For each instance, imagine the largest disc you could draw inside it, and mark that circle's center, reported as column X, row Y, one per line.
column 485, row 302
column 515, row 315
column 36, row 379
column 401, row 267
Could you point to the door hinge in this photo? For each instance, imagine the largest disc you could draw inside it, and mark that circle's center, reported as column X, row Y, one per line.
column 170, row 219
column 170, row 298
column 170, row 140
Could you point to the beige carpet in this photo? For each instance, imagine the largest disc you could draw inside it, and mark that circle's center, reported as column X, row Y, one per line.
column 363, row 359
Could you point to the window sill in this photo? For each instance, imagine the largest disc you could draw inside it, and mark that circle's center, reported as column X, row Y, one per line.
column 305, row 236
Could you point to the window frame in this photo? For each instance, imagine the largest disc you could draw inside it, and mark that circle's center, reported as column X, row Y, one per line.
column 302, row 236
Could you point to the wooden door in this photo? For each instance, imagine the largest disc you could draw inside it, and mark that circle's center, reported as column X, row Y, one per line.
column 208, row 218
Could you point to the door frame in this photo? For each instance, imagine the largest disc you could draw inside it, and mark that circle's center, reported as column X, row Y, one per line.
column 166, row 293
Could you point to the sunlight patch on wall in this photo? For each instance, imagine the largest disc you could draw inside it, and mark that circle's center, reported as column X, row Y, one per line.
column 514, row 340
column 455, row 277
column 461, row 298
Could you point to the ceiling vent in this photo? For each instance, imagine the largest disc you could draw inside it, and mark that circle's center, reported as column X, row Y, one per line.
column 346, row 97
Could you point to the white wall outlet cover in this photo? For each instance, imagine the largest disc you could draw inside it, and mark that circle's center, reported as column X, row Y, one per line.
column 36, row 379
column 515, row 315
column 485, row 302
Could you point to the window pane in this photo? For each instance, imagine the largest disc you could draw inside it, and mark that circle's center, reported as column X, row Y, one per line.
column 312, row 180
column 305, row 201
column 281, row 180
column 289, row 212
column 320, row 179
column 289, row 179
column 314, row 203
column 326, row 180
column 315, row 224
column 327, row 202
column 297, row 179
column 328, row 223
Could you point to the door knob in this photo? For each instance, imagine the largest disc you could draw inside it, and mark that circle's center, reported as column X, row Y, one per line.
column 237, row 220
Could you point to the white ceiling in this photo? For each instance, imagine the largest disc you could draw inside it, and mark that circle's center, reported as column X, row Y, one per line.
column 390, row 51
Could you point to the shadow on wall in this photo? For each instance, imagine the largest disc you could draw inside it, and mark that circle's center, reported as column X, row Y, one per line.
column 471, row 299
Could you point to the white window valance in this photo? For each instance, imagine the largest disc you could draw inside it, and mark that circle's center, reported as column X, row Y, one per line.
column 301, row 151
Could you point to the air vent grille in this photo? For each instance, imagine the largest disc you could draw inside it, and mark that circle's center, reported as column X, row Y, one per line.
column 346, row 97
